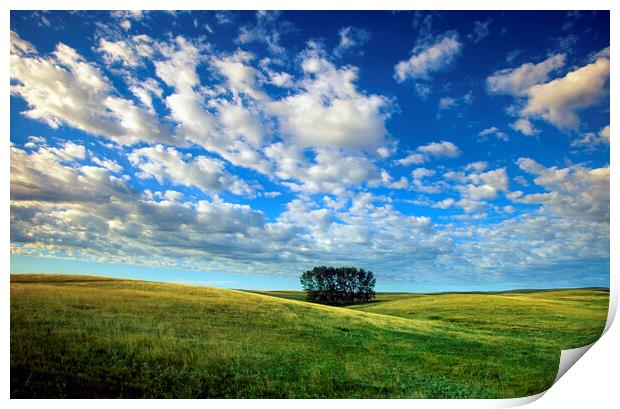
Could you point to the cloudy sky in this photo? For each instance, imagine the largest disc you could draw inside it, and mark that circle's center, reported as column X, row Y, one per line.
column 441, row 150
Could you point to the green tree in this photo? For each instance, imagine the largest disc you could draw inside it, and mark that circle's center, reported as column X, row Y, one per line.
column 338, row 285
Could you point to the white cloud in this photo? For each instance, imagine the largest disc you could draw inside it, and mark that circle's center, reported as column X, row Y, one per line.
column 85, row 211
column 518, row 81
column 126, row 17
column 574, row 192
column 476, row 166
column 241, row 123
column 240, row 76
column 443, row 149
column 351, row 38
column 524, row 126
column 387, row 181
column 419, row 185
column 73, row 151
column 559, row 100
column 20, row 46
column 521, row 180
column 592, row 140
column 109, row 164
column 41, row 176
column 129, row 53
column 331, row 171
column 145, row 90
column 493, row 131
column 444, row 204
column 208, row 174
column 120, row 51
column 412, row 159
column 65, row 89
column 281, row 79
column 477, row 186
column 231, row 130
column 604, row 134
column 451, row 103
column 447, row 103
column 178, row 70
column 224, row 17
column 424, row 153
column 440, row 149
column 420, row 173
column 329, row 111
column 429, row 58
column 268, row 29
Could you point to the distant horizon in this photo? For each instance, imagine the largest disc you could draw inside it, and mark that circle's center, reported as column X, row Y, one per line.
column 220, row 280
column 509, row 290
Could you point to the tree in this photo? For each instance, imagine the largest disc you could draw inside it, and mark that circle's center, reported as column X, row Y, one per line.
column 338, row 285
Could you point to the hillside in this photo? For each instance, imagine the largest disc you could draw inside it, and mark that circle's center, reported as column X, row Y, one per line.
column 78, row 336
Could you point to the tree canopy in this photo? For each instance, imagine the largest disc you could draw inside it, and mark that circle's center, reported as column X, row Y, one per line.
column 338, row 285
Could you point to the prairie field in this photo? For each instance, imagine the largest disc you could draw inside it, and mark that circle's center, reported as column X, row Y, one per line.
column 85, row 336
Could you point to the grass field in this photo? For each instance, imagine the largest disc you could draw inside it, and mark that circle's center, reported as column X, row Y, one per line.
column 81, row 336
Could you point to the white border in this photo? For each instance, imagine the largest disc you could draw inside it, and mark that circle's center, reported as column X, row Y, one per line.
column 592, row 382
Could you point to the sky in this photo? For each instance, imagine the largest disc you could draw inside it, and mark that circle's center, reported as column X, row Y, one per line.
column 444, row 151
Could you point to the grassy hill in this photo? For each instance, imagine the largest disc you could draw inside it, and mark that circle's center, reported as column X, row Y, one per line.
column 79, row 336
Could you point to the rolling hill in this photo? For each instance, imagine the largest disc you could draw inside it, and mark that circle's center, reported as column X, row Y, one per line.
column 84, row 336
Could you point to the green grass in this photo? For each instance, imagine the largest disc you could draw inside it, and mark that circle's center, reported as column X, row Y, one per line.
column 77, row 336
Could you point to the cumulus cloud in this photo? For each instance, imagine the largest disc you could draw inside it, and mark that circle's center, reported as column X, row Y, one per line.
column 145, row 90
column 477, row 185
column 330, row 171
column 95, row 216
column 492, row 131
column 329, row 110
column 444, row 204
column 525, row 126
column 517, row 81
column 484, row 186
column 240, row 76
column 43, row 176
column 424, row 153
column 591, row 140
column 559, row 100
column 63, row 88
column 159, row 228
column 59, row 207
column 207, row 174
column 109, row 164
column 20, row 46
column 419, row 184
column 129, row 53
column 604, row 134
column 232, row 130
column 573, row 192
column 430, row 58
column 281, row 79
column 178, row 69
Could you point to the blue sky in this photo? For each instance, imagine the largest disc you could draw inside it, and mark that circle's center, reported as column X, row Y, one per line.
column 441, row 150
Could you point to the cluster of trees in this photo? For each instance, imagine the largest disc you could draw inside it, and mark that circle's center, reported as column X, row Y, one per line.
column 338, row 285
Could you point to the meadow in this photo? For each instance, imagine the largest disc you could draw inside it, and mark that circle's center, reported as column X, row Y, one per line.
column 84, row 336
